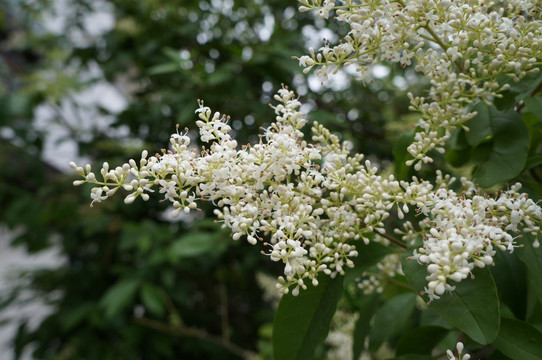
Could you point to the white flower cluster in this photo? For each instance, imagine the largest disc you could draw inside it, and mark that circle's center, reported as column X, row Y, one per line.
column 462, row 47
column 461, row 232
column 316, row 203
column 313, row 201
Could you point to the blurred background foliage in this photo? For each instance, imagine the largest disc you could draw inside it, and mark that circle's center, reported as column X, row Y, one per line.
column 101, row 80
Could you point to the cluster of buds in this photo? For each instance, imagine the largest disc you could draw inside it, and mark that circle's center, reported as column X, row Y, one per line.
column 461, row 47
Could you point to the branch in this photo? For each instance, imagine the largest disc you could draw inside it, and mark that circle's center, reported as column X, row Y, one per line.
column 393, row 240
column 193, row 333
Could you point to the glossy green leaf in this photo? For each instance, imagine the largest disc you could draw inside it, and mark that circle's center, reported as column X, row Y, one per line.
column 519, row 340
column 420, row 340
column 509, row 146
column 302, row 322
column 366, row 306
column 119, row 296
column 473, row 307
column 391, row 319
column 532, row 257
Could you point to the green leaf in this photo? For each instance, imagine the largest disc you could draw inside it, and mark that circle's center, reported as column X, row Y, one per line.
column 518, row 90
column 302, row 321
column 152, row 299
column 166, row 68
column 459, row 150
column 391, row 319
column 532, row 257
column 479, row 126
column 534, row 105
column 519, row 340
column 196, row 244
column 119, row 296
column 533, row 161
column 473, row 307
column 420, row 340
column 367, row 306
column 510, row 277
column 509, row 147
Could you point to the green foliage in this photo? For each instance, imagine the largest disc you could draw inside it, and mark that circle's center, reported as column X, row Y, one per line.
column 134, row 285
column 302, row 321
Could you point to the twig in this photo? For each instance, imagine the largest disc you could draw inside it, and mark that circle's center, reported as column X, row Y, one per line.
column 193, row 333
column 393, row 240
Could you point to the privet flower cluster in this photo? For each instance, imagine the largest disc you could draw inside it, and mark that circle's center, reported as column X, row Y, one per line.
column 461, row 47
column 461, row 232
column 316, row 204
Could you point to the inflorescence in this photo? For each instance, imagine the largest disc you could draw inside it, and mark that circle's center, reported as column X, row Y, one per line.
column 315, row 204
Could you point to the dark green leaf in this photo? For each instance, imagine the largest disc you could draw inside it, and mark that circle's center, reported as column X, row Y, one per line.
column 196, row 244
column 391, row 319
column 479, row 126
column 473, row 307
column 532, row 257
column 510, row 277
column 302, row 322
column 119, row 296
column 534, row 105
column 533, row 161
column 510, row 142
column 519, row 340
column 420, row 340
column 459, row 149
column 153, row 299
column 366, row 306
column 518, row 90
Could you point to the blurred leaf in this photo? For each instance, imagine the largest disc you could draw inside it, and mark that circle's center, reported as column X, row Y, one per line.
column 391, row 319
column 197, row 244
column 534, row 105
column 519, row 340
column 164, row 69
column 119, row 296
column 420, row 340
column 302, row 321
column 153, row 299
column 366, row 307
column 510, row 276
column 532, row 257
